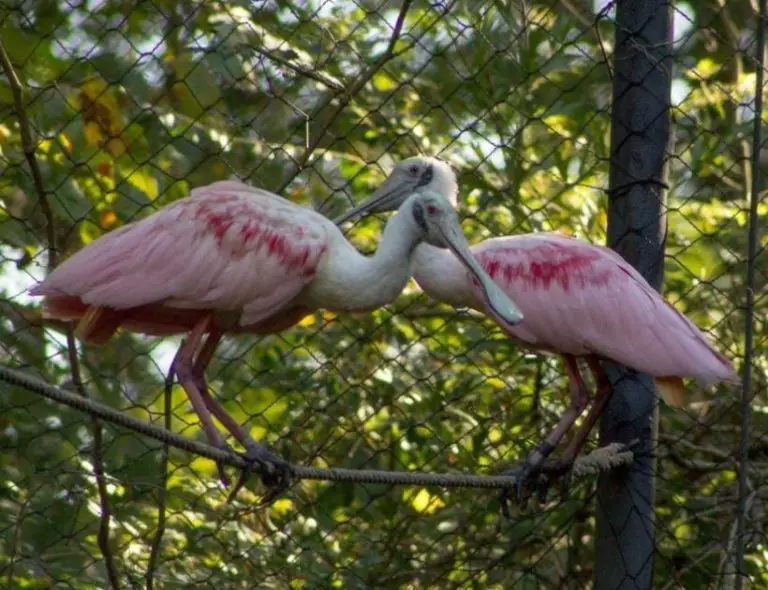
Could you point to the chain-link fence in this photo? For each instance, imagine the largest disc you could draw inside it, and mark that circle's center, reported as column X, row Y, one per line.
column 131, row 104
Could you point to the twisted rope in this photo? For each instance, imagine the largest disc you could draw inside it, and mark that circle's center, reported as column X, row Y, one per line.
column 602, row 459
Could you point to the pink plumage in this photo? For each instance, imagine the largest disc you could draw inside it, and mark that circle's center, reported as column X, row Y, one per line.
column 242, row 249
column 582, row 299
column 577, row 299
column 229, row 258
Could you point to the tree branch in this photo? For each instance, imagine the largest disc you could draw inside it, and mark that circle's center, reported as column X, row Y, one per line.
column 29, row 145
column 162, row 492
column 324, row 79
column 347, row 96
column 98, row 467
column 585, row 16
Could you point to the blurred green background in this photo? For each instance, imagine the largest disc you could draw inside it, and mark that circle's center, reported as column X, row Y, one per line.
column 136, row 102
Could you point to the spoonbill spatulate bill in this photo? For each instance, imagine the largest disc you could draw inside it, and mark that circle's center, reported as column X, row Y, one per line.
column 231, row 258
column 579, row 300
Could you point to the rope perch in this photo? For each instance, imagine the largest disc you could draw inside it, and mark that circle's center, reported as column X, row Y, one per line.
column 600, row 460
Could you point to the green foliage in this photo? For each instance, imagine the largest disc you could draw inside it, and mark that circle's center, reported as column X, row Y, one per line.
column 135, row 103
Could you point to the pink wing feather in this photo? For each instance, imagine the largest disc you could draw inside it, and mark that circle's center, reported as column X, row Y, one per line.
column 581, row 299
column 228, row 246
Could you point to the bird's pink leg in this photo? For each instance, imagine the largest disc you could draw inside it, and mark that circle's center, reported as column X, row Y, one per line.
column 183, row 366
column 534, row 462
column 579, row 401
column 562, row 466
column 201, row 363
column 276, row 473
column 603, row 394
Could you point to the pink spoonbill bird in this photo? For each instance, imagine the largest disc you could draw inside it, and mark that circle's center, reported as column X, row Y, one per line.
column 579, row 301
column 231, row 258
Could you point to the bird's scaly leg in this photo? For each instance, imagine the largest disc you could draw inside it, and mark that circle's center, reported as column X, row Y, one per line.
column 201, row 363
column 183, row 366
column 561, row 467
column 603, row 394
column 275, row 472
column 535, row 461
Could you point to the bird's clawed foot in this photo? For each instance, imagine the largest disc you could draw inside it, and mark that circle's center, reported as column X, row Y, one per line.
column 530, row 479
column 223, row 477
column 525, row 479
column 276, row 473
column 558, row 471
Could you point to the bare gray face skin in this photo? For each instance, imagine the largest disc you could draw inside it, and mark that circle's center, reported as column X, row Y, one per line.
column 439, row 222
column 436, row 180
column 409, row 176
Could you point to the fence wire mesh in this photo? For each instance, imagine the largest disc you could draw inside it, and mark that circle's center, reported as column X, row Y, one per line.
column 132, row 104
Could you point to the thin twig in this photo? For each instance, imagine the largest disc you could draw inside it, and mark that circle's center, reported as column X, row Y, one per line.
column 162, row 492
column 600, row 43
column 589, row 20
column 16, row 541
column 730, row 566
column 346, row 97
column 733, row 33
column 677, row 575
column 585, row 16
column 694, row 448
column 306, row 71
column 98, row 467
column 601, row 459
column 697, row 465
column 29, row 145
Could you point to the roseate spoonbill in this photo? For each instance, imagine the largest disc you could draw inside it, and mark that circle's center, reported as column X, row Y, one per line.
column 234, row 258
column 579, row 300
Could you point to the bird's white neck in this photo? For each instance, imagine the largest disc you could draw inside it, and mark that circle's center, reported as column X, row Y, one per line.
column 440, row 275
column 351, row 281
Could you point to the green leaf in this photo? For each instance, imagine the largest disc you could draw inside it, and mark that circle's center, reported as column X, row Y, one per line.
column 19, row 44
column 196, row 86
column 144, row 180
column 66, row 198
column 383, row 82
column 126, row 72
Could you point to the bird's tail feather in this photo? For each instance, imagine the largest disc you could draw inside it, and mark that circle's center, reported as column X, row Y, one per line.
column 98, row 324
column 672, row 391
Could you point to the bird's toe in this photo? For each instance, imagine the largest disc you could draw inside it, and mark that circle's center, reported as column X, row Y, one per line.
column 558, row 471
column 223, row 477
column 276, row 473
column 525, row 479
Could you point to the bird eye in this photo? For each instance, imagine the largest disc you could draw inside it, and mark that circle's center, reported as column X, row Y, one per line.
column 432, row 209
column 413, row 170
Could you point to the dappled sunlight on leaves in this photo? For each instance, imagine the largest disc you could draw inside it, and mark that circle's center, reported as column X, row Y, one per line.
column 135, row 104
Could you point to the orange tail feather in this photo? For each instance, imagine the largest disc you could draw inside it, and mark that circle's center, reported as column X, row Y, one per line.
column 98, row 324
column 672, row 391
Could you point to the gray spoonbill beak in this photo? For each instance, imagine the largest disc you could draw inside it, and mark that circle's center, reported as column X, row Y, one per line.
column 497, row 300
column 439, row 221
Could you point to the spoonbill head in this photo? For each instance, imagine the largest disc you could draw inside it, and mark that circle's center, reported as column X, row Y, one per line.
column 429, row 175
column 439, row 223
column 415, row 174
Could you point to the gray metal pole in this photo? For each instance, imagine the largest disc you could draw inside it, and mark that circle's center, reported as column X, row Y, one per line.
column 640, row 135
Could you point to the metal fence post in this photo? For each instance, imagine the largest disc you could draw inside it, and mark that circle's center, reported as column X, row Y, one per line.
column 624, row 543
